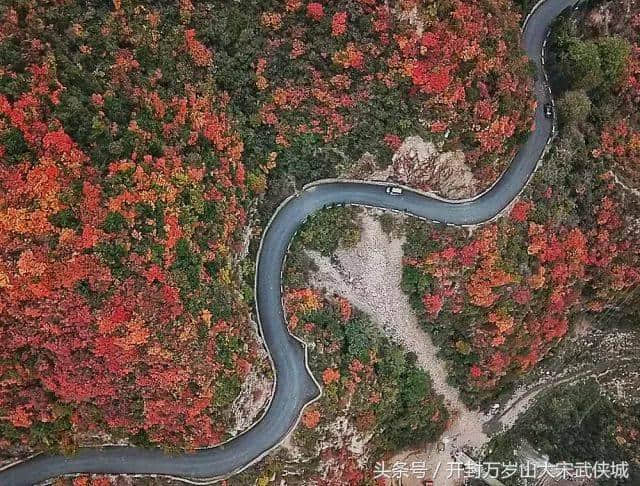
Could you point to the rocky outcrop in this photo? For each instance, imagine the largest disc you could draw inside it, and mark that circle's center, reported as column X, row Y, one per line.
column 254, row 395
column 419, row 164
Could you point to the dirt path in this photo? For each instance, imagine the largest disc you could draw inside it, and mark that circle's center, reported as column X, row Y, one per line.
column 369, row 276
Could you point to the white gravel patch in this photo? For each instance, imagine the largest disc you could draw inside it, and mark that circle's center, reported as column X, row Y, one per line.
column 369, row 276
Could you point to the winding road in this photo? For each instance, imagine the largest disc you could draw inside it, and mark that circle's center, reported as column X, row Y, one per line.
column 295, row 386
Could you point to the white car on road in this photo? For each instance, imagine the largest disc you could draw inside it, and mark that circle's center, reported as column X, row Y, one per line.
column 394, row 191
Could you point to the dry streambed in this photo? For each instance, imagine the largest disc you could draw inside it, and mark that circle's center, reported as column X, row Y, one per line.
column 369, row 276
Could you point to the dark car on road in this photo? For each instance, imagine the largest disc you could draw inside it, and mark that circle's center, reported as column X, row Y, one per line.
column 548, row 110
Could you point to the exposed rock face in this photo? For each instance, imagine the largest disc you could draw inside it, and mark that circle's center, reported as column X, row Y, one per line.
column 254, row 395
column 611, row 18
column 419, row 164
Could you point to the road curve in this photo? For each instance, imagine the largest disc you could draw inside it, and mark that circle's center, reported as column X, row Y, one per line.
column 295, row 386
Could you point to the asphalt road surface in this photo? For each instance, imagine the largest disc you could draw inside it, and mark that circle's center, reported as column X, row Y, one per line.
column 295, row 387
